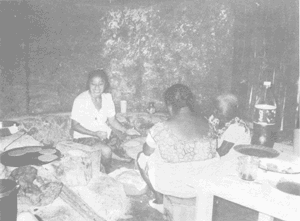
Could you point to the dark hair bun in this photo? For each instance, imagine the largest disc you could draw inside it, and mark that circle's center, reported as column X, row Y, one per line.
column 179, row 96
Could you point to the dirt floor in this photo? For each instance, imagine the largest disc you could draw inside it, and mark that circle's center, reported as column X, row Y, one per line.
column 223, row 209
column 140, row 211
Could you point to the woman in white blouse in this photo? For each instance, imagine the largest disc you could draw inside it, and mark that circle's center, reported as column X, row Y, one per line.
column 91, row 111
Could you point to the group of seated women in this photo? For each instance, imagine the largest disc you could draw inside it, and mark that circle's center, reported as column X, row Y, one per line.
column 176, row 149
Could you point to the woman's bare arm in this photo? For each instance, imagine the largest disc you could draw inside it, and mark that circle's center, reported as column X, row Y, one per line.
column 80, row 129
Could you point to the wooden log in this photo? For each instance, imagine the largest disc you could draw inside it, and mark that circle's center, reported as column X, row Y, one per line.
column 79, row 205
column 72, row 199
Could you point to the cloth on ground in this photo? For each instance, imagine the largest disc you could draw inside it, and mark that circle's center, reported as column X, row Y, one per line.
column 131, row 180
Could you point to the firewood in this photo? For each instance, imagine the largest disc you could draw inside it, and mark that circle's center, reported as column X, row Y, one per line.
column 79, row 205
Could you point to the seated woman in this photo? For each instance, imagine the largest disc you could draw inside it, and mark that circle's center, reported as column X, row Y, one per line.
column 90, row 113
column 226, row 124
column 175, row 150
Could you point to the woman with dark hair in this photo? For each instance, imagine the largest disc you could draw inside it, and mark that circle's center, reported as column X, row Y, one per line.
column 226, row 124
column 91, row 111
column 175, row 150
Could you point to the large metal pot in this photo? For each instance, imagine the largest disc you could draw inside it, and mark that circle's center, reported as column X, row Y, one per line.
column 8, row 200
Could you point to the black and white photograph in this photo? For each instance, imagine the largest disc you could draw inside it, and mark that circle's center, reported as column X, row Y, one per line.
column 149, row 110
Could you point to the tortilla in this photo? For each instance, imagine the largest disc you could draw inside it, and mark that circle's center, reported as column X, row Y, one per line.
column 132, row 132
column 16, row 153
column 132, row 143
column 32, row 149
column 47, row 158
column 47, row 151
column 121, row 119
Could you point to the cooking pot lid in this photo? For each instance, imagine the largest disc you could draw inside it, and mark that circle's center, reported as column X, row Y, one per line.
column 7, row 185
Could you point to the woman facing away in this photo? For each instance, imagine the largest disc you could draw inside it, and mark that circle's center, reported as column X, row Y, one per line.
column 175, row 150
column 91, row 111
column 226, row 124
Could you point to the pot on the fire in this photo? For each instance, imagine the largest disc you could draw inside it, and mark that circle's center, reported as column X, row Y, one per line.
column 8, row 200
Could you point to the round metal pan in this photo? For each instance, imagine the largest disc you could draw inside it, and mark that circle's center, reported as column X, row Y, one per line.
column 29, row 158
column 257, row 151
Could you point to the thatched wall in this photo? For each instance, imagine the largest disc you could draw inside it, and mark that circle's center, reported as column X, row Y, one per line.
column 266, row 47
column 145, row 47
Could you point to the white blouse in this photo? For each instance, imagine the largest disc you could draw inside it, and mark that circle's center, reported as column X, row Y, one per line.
column 86, row 114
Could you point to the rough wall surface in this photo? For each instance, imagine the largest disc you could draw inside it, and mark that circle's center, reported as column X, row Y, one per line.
column 144, row 47
column 266, row 47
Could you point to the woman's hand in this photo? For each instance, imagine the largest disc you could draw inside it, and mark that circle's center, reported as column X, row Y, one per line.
column 101, row 135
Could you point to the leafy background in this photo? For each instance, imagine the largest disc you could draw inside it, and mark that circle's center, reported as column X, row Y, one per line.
column 144, row 47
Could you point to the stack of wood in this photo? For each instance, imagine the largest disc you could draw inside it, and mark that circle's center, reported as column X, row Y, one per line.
column 72, row 199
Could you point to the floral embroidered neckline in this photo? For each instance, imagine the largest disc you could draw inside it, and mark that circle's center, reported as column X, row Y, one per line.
column 217, row 132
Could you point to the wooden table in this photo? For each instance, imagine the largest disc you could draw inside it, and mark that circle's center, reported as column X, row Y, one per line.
column 223, row 181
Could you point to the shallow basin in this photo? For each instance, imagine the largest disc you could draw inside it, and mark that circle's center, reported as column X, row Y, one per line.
column 289, row 187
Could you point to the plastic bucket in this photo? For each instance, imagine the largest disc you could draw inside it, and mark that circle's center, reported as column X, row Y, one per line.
column 8, row 200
